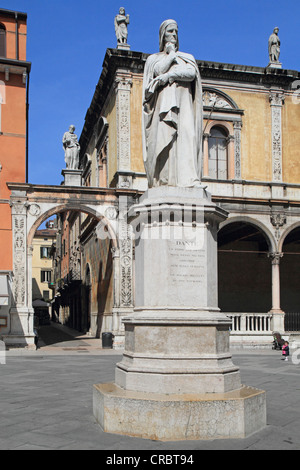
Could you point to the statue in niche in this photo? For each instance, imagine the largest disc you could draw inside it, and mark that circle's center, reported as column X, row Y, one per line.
column 274, row 46
column 71, row 148
column 121, row 22
column 172, row 114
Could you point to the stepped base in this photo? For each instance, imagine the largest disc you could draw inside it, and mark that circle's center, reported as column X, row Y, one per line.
column 235, row 414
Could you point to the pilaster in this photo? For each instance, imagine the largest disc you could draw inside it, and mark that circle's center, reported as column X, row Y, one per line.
column 21, row 312
column 276, row 101
column 123, row 90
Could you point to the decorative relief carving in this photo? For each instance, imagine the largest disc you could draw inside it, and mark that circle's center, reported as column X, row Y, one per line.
column 125, row 239
column 237, row 149
column 216, row 100
column 275, row 257
column 34, row 209
column 123, row 122
column 276, row 102
column 111, row 213
column 19, row 251
column 278, row 220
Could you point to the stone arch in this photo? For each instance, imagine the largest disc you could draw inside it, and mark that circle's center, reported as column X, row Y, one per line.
column 245, row 271
column 78, row 321
column 286, row 233
column 289, row 246
column 225, row 125
column 72, row 207
column 260, row 225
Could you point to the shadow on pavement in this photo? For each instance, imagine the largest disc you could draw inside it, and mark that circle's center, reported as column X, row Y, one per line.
column 50, row 335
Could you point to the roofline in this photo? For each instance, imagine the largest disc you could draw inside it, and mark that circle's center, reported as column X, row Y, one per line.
column 13, row 13
column 16, row 63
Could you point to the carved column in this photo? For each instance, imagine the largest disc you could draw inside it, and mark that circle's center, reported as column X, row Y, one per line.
column 278, row 314
column 123, row 90
column 123, row 274
column 276, row 102
column 21, row 313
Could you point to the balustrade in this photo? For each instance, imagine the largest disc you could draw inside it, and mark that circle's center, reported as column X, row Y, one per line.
column 258, row 323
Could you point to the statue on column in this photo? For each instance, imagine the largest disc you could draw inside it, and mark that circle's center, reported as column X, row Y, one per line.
column 121, row 22
column 71, row 148
column 274, row 46
column 172, row 114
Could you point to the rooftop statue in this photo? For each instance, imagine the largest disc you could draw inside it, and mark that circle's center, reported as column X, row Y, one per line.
column 274, row 46
column 172, row 114
column 121, row 22
column 71, row 148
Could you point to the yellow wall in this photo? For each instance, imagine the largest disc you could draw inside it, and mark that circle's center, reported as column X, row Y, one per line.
column 291, row 140
column 256, row 153
column 136, row 149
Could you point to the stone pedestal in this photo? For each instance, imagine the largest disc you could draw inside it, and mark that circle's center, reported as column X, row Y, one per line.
column 275, row 65
column 72, row 177
column 176, row 379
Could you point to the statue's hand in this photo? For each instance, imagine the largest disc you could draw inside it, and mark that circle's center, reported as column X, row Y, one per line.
column 163, row 79
column 170, row 47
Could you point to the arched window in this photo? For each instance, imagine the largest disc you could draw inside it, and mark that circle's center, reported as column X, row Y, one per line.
column 218, row 153
column 2, row 41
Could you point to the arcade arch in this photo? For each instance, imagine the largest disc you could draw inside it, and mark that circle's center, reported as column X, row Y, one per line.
column 290, row 271
column 75, row 302
column 103, row 223
column 244, row 269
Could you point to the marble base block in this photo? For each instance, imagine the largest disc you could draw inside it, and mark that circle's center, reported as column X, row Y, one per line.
column 173, row 417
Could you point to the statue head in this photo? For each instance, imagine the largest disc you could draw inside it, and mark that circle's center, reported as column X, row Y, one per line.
column 163, row 31
column 72, row 128
column 275, row 30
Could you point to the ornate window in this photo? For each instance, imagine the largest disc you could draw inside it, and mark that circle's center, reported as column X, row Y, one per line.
column 2, row 41
column 217, row 153
column 221, row 136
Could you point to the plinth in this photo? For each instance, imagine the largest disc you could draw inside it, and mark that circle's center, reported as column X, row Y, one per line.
column 72, row 177
column 176, row 379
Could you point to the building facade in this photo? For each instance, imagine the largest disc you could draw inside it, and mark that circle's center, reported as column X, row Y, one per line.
column 42, row 264
column 250, row 166
column 14, row 78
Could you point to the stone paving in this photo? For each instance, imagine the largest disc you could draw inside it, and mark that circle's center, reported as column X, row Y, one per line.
column 46, row 399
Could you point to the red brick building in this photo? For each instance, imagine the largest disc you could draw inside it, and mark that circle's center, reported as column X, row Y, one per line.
column 14, row 79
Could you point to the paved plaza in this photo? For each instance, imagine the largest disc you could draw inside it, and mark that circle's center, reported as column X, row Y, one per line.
column 46, row 399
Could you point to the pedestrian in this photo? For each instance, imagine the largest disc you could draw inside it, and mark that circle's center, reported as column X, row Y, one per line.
column 285, row 351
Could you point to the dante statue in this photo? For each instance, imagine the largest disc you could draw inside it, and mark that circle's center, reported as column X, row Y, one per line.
column 72, row 148
column 172, row 114
column 274, row 46
column 121, row 22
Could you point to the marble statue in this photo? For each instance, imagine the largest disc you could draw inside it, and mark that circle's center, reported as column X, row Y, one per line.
column 121, row 22
column 274, row 46
column 72, row 148
column 172, row 114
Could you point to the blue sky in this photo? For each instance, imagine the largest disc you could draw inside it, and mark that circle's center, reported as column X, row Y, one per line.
column 67, row 40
